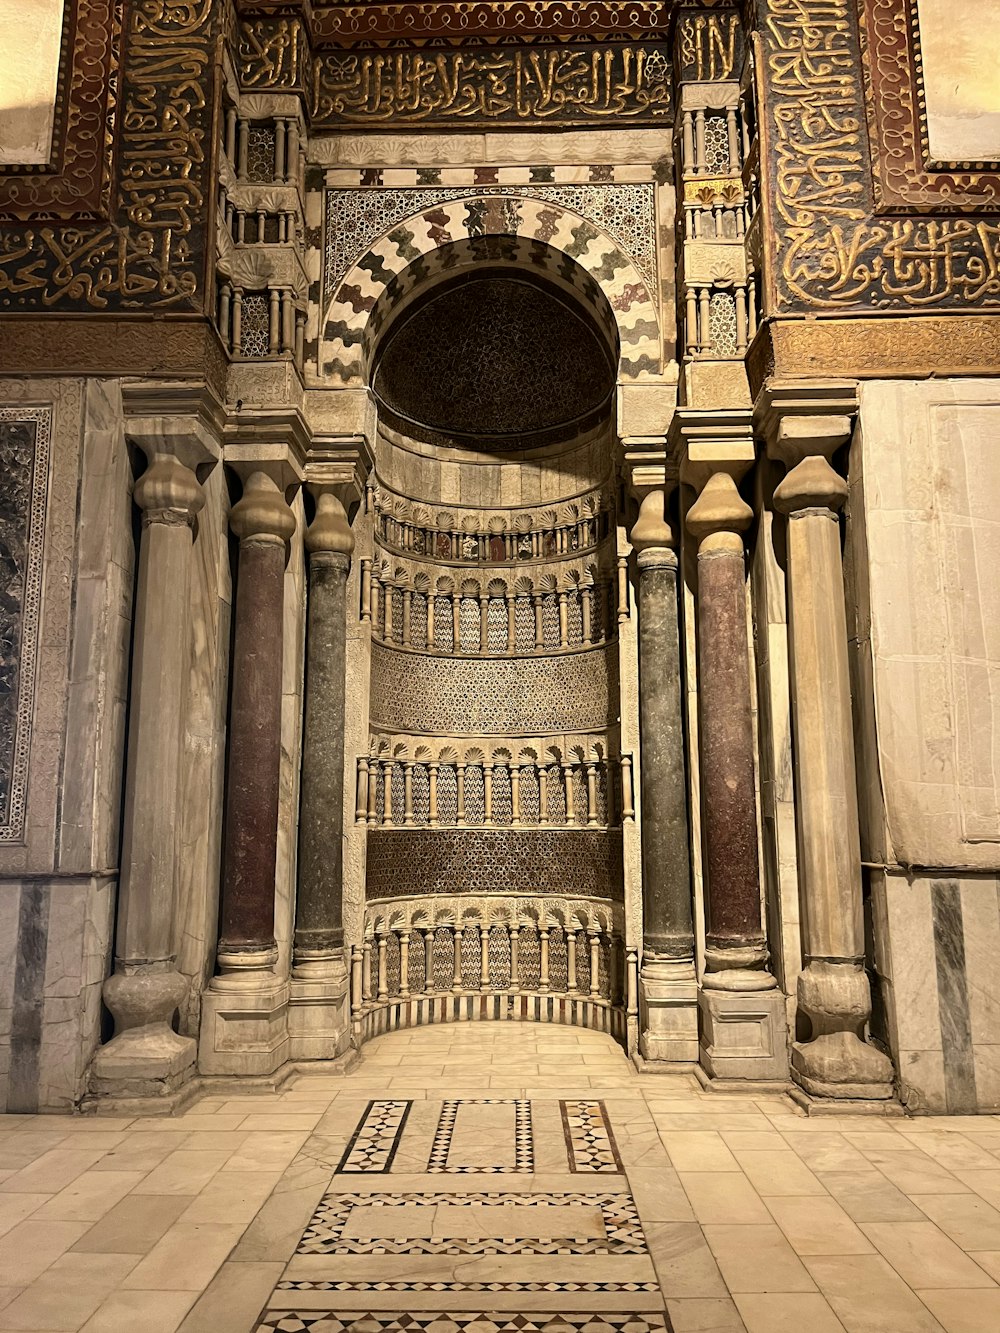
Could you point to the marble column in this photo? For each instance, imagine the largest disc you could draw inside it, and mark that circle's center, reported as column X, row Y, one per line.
column 806, row 425
column 743, row 1030
column 247, row 997
column 667, row 987
column 319, row 932
column 145, row 1057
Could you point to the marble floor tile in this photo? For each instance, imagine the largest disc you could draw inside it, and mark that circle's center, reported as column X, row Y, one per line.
column 817, row 1225
column 68, row 1293
column 924, row 1256
column 756, row 1258
column 186, row 1257
column 787, row 1313
column 30, row 1247
column 711, row 1315
column 134, row 1225
column 723, row 1196
column 868, row 1296
column 89, row 1196
column 150, row 1311
column 234, row 1299
column 960, row 1311
column 640, row 1196
column 698, row 1151
column 970, row 1221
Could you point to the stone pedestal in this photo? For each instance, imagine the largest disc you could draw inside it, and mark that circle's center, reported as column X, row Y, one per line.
column 805, row 425
column 319, row 1013
column 743, row 1028
column 668, row 993
column 244, row 1018
column 146, row 1057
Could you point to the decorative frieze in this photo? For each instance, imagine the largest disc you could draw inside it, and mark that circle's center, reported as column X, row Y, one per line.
column 559, row 86
column 586, row 861
column 24, row 477
column 452, row 695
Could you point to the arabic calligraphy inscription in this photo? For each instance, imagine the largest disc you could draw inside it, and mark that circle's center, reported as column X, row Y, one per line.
column 565, row 85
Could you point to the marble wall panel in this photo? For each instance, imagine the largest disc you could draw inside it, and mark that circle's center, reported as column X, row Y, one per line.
column 204, row 745
column 770, row 637
column 931, row 492
column 935, row 958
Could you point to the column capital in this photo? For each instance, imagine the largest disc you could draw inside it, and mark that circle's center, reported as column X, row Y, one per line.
column 329, row 533
column 805, row 418
column 181, row 420
column 344, row 462
column 705, row 441
column 719, row 509
column 646, row 465
column 651, row 532
column 168, row 492
column 262, row 513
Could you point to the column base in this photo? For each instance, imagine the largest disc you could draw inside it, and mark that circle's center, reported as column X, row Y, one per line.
column 668, row 1012
column 319, row 1019
column 744, row 1034
column 840, row 1065
column 149, row 1061
column 244, row 1025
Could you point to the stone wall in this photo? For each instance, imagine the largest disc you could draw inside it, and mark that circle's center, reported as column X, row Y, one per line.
column 58, row 867
column 925, row 490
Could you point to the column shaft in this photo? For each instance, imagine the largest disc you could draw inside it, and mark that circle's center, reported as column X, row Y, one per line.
column 319, row 933
column 263, row 522
column 666, row 876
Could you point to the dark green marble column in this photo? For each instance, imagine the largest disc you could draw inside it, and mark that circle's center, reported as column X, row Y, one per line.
column 319, row 932
column 668, row 996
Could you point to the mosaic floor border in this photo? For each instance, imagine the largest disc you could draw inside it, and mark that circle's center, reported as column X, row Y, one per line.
column 374, row 1143
column 524, row 1152
column 292, row 1321
column 590, row 1140
column 325, row 1233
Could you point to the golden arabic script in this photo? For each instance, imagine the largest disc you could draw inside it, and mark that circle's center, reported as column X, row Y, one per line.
column 471, row 88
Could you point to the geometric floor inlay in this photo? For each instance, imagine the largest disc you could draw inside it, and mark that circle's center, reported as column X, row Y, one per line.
column 555, row 1247
column 479, row 1223
column 589, row 1138
column 374, row 1142
column 485, row 1136
column 458, row 1322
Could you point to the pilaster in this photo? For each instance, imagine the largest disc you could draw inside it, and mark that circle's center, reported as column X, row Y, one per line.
column 805, row 423
column 146, row 1057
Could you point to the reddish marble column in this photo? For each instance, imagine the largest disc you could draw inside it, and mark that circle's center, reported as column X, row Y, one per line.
column 264, row 524
column 735, row 945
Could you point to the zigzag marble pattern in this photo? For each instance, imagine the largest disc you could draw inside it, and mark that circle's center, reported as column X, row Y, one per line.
column 374, row 1142
column 523, row 1147
column 445, row 1322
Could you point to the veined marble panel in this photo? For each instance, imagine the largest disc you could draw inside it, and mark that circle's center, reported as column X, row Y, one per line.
column 24, row 470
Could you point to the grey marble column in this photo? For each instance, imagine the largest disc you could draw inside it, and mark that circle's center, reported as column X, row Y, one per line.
column 146, row 1057
column 834, row 997
column 667, row 987
column 319, row 933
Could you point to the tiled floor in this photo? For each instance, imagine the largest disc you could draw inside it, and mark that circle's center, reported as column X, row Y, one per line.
column 482, row 1177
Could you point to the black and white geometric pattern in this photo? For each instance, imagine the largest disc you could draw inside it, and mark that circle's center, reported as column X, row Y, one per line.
column 383, row 1322
column 524, row 1151
column 589, row 1138
column 373, row 1144
column 325, row 1232
column 415, row 1284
